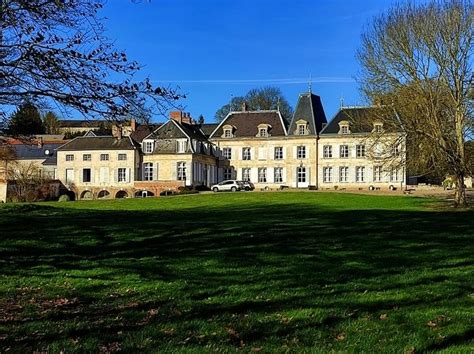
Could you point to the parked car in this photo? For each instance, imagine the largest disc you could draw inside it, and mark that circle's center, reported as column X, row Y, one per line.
column 247, row 185
column 228, row 185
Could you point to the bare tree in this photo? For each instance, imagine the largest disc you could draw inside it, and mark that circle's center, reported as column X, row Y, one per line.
column 418, row 58
column 55, row 52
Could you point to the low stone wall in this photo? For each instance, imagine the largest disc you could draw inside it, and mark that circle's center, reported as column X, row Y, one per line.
column 156, row 187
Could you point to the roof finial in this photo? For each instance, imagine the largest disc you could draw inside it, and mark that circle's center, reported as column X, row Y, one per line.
column 310, row 83
column 231, row 105
column 278, row 104
column 341, row 101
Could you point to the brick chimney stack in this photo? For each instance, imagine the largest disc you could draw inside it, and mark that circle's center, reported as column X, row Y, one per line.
column 133, row 124
column 117, row 131
column 40, row 142
column 181, row 117
column 245, row 107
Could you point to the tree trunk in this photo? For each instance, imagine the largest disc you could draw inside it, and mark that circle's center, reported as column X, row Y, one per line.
column 460, row 193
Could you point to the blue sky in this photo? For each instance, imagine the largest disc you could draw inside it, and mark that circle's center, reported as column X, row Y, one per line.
column 216, row 49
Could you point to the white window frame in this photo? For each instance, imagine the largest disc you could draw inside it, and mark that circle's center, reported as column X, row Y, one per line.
column 246, row 174
column 70, row 157
column 360, row 150
column 327, row 151
column 360, row 174
column 227, row 173
column 344, row 151
column 327, row 174
column 301, row 152
column 121, row 175
column 345, row 129
column 86, row 157
column 228, row 133
column 148, row 146
column 122, row 157
column 246, row 154
column 278, row 174
column 181, row 171
column 227, row 153
column 377, row 173
column 104, row 157
column 181, row 146
column 278, row 153
column 301, row 129
column 343, row 174
column 301, row 174
column 148, row 170
column 263, row 132
column 262, row 175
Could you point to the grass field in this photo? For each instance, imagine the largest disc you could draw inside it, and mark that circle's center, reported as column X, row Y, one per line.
column 253, row 272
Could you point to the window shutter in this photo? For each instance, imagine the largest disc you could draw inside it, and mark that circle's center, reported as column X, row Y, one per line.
column 295, row 154
column 284, row 152
column 155, row 172
column 92, row 176
column 81, row 176
column 116, row 175
column 283, row 174
column 270, row 175
column 308, row 174
column 127, row 175
column 174, row 171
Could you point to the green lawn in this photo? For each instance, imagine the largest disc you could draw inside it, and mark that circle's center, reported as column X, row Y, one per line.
column 259, row 272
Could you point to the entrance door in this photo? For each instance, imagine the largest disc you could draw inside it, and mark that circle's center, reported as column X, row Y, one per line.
column 302, row 180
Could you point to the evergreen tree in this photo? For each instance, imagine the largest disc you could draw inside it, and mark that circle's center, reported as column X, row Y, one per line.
column 26, row 120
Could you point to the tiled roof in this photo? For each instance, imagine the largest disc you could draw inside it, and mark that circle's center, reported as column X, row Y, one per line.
column 361, row 120
column 98, row 143
column 33, row 151
column 310, row 109
column 246, row 123
column 208, row 128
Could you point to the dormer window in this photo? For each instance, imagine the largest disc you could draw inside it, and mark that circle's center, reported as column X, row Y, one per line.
column 181, row 146
column 378, row 127
column 344, row 127
column 228, row 131
column 302, row 127
column 263, row 130
column 148, row 146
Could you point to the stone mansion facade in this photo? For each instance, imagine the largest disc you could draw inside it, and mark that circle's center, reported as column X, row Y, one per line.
column 258, row 146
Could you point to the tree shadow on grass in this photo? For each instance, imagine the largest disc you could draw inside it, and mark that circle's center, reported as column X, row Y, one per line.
column 261, row 260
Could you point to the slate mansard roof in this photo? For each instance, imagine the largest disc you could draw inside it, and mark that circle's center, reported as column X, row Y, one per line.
column 246, row 123
column 98, row 143
column 361, row 120
column 310, row 109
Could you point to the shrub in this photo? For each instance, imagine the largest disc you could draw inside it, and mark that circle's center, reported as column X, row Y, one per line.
column 64, row 198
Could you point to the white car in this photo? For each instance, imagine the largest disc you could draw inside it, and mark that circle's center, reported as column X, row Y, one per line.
column 228, row 185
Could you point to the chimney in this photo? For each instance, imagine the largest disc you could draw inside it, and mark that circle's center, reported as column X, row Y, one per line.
column 244, row 107
column 181, row 117
column 117, row 131
column 40, row 142
column 133, row 124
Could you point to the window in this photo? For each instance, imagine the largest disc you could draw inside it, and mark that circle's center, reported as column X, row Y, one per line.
column 279, row 153
column 227, row 133
column 227, row 153
column 86, row 175
column 148, row 147
column 327, row 151
column 278, row 175
column 263, row 132
column 343, row 174
column 301, row 129
column 246, row 153
column 301, row 174
column 181, row 146
column 227, row 173
column 69, row 157
column 122, row 157
column 360, row 174
column 394, row 174
column 395, row 150
column 181, row 171
column 327, row 174
column 122, row 175
column 148, row 171
column 104, row 157
column 69, row 175
column 345, row 129
column 378, row 127
column 104, row 175
column 246, row 174
column 344, row 151
column 262, row 175
column 360, row 150
column 377, row 173
column 86, row 157
column 301, row 152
